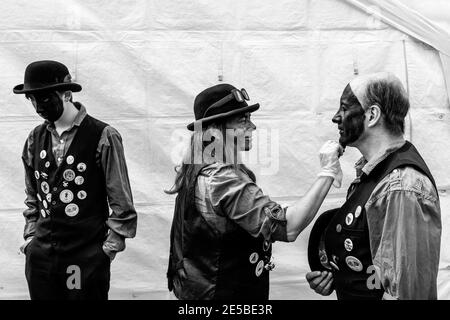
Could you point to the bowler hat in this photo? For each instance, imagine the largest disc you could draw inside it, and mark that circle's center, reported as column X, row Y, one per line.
column 218, row 103
column 46, row 75
column 315, row 238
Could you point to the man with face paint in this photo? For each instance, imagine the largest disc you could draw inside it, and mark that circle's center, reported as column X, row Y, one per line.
column 384, row 242
column 75, row 173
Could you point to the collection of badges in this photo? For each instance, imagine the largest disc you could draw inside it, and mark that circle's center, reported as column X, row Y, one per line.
column 352, row 262
column 66, row 196
column 265, row 262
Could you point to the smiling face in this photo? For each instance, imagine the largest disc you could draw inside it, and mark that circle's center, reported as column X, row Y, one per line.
column 349, row 118
column 242, row 128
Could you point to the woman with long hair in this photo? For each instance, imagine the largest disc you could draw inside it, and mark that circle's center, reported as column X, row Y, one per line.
column 224, row 226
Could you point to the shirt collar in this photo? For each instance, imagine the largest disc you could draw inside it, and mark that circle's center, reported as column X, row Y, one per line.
column 364, row 166
column 76, row 122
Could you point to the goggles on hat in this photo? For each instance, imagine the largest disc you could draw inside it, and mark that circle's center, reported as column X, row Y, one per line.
column 238, row 95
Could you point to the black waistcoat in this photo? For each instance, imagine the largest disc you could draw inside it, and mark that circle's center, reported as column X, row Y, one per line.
column 205, row 264
column 347, row 242
column 72, row 198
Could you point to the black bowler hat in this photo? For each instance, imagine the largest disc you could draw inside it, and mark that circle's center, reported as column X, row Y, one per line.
column 219, row 102
column 46, row 75
column 315, row 238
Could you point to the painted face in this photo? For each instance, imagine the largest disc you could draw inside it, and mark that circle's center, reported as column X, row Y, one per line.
column 349, row 118
column 49, row 105
column 242, row 131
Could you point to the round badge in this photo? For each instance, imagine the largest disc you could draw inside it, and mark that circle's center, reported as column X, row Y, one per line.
column 43, row 213
column 259, row 268
column 43, row 154
column 44, row 203
column 47, row 164
column 348, row 244
column 39, row 197
column 334, row 265
column 49, row 197
column 45, row 187
column 79, row 180
column 66, row 196
column 358, row 211
column 70, row 159
column 81, row 167
column 349, row 219
column 253, row 257
column 36, row 174
column 69, row 174
column 72, row 210
column 44, row 175
column 81, row 194
column 354, row 263
column 338, row 228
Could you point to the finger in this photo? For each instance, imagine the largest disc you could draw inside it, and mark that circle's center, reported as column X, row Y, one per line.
column 321, row 286
column 316, row 281
column 327, row 290
column 312, row 275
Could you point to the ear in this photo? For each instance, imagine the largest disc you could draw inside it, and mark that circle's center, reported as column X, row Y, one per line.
column 374, row 115
column 67, row 96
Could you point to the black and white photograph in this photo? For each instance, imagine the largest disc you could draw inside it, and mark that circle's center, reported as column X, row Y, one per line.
column 245, row 152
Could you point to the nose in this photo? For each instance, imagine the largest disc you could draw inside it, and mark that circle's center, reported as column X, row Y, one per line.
column 336, row 118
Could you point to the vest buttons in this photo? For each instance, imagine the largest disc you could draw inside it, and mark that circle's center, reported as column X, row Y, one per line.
column 55, row 188
column 338, row 228
column 53, row 202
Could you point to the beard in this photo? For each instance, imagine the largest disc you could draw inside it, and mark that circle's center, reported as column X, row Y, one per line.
column 352, row 127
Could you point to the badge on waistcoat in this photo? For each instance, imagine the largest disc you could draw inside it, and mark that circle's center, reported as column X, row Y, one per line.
column 69, row 174
column 348, row 244
column 65, row 184
column 43, row 154
column 358, row 211
column 47, row 164
column 45, row 187
column 49, row 197
column 39, row 197
column 354, row 263
column 266, row 245
column 66, row 196
column 338, row 228
column 44, row 203
column 72, row 210
column 81, row 194
column 334, row 265
column 44, row 175
column 254, row 257
column 79, row 180
column 259, row 268
column 43, row 213
column 36, row 175
column 349, row 219
column 81, row 167
column 70, row 159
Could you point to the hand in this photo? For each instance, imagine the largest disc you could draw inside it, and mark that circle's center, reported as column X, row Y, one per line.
column 23, row 247
column 329, row 161
column 320, row 282
column 110, row 253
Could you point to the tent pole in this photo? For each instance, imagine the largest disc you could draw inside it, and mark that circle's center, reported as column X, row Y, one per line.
column 407, row 88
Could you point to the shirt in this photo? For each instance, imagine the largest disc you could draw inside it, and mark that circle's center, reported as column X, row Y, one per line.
column 405, row 249
column 228, row 198
column 110, row 158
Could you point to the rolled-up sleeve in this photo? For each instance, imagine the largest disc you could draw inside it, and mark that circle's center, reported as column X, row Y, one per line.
column 234, row 195
column 406, row 246
column 123, row 219
column 31, row 214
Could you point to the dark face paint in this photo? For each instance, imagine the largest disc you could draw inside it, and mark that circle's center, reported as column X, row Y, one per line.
column 349, row 118
column 48, row 105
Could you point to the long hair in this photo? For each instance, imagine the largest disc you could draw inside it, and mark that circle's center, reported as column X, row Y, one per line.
column 206, row 146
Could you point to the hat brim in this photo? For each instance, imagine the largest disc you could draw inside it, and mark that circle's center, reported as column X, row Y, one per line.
column 222, row 116
column 315, row 236
column 71, row 86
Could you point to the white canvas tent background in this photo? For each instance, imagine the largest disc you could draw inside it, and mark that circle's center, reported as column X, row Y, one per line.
column 141, row 63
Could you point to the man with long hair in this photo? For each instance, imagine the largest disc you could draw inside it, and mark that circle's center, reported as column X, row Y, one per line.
column 223, row 225
column 384, row 241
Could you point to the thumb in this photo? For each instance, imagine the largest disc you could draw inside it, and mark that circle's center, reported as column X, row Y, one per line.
column 312, row 275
